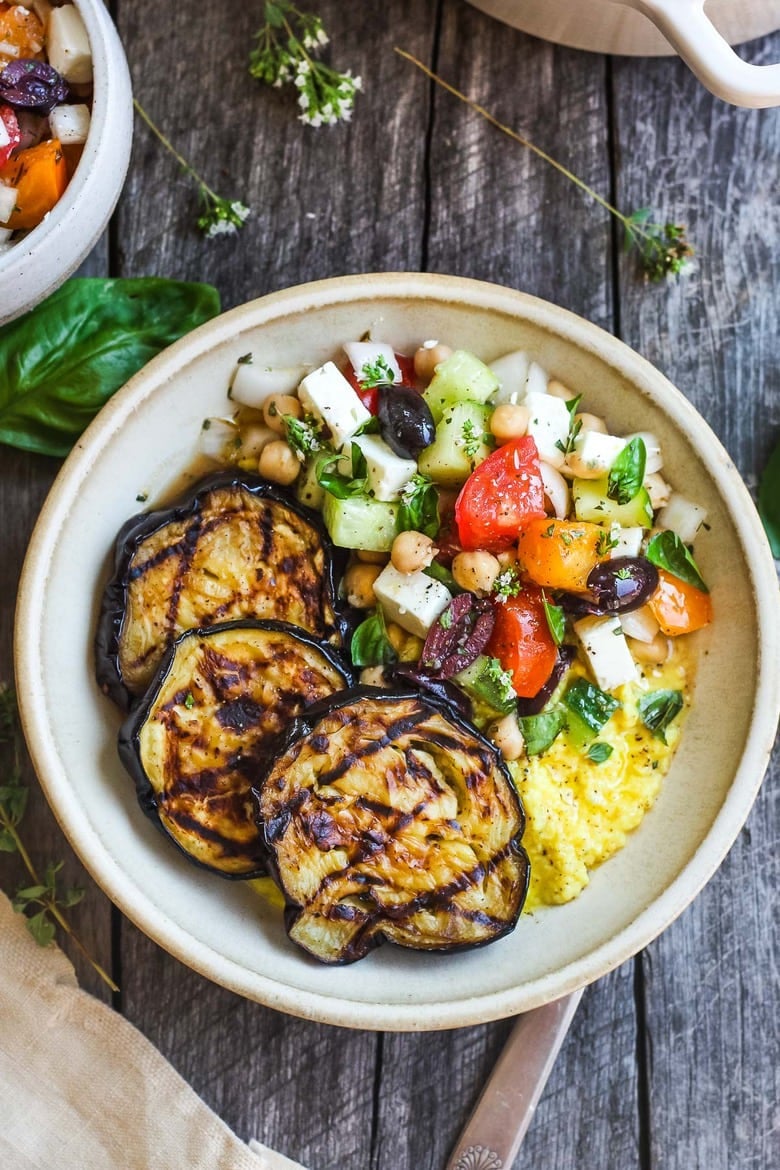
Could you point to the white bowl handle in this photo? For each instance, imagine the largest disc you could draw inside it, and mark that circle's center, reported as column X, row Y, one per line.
column 686, row 26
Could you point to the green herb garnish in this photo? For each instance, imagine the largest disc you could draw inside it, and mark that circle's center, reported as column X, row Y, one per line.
column 556, row 620
column 507, row 584
column 598, row 752
column 657, row 709
column 376, row 373
column 539, row 731
column 302, row 434
column 370, row 645
column 605, row 543
column 574, row 426
column 487, row 682
column 418, row 510
column 627, row 474
column 667, row 551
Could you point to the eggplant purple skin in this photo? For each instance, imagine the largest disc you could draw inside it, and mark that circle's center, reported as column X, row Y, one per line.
column 142, row 525
column 129, row 733
column 304, row 725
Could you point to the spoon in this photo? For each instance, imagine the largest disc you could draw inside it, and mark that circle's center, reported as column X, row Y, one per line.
column 494, row 1132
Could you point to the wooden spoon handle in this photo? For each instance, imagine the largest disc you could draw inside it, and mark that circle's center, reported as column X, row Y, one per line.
column 506, row 1106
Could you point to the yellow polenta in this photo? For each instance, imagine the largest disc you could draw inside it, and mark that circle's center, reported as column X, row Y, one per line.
column 579, row 812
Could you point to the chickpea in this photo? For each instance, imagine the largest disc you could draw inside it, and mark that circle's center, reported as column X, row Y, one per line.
column 372, row 558
column 558, row 390
column 655, row 652
column 591, row 422
column 509, row 422
column 254, row 436
column 412, row 551
column 476, row 571
column 396, row 636
column 427, row 358
column 508, row 737
column 373, row 676
column 278, row 462
column 359, row 584
column 276, row 406
column 507, row 559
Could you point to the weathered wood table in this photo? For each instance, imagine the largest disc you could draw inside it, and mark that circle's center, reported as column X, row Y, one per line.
column 673, row 1061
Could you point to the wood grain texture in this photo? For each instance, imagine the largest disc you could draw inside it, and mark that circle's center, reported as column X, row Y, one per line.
column 712, row 986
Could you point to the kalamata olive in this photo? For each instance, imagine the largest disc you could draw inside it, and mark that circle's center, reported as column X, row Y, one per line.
column 458, row 636
column 32, row 85
column 566, row 655
column 452, row 694
column 614, row 586
column 405, row 420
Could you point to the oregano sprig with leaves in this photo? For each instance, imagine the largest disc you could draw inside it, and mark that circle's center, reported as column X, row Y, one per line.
column 662, row 249
column 44, row 902
column 220, row 216
column 285, row 54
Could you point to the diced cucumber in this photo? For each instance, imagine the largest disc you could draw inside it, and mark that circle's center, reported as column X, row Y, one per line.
column 488, row 686
column 592, row 503
column 461, row 377
column 459, row 444
column 307, row 487
column 360, row 522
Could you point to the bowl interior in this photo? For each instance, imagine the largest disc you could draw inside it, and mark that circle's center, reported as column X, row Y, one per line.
column 146, row 439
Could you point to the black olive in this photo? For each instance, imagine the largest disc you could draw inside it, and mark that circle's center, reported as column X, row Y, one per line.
column 405, row 421
column 614, row 586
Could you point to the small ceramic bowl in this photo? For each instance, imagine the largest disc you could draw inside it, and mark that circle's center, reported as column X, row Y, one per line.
column 38, row 264
column 147, row 437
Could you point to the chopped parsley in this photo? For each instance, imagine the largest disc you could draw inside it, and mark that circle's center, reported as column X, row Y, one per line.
column 507, row 584
column 302, row 435
column 376, row 373
column 605, row 543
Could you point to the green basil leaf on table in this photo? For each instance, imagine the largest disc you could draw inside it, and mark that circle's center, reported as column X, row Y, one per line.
column 539, row 731
column 668, row 552
column 370, row 644
column 628, row 472
column 769, row 500
column 657, row 709
column 62, row 361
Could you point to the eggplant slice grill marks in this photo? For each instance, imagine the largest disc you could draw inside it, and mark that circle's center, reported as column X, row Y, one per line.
column 197, row 740
column 237, row 548
column 388, row 817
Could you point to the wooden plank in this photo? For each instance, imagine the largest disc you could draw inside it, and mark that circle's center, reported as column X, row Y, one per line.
column 327, row 201
column 24, row 482
column 712, row 986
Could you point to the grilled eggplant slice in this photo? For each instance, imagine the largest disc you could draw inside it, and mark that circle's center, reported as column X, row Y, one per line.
column 389, row 817
column 236, row 548
column 198, row 737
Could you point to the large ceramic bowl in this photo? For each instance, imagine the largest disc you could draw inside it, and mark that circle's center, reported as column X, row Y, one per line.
column 38, row 264
column 147, row 436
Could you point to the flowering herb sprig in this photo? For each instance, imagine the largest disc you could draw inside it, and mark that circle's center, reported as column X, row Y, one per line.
column 43, row 903
column 219, row 216
column 662, row 249
column 285, row 54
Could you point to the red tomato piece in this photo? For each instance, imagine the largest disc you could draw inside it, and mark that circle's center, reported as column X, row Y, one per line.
column 10, row 130
column 368, row 395
column 503, row 492
column 522, row 642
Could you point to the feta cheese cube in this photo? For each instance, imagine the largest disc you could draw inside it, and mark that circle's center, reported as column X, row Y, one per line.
column 548, row 424
column 387, row 473
column 512, row 372
column 326, row 393
column 412, row 600
column 70, row 124
column 629, row 541
column 361, row 353
column 593, row 454
column 68, row 45
column 658, row 490
column 607, row 651
column 683, row 517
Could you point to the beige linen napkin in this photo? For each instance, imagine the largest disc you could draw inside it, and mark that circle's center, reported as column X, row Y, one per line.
column 82, row 1089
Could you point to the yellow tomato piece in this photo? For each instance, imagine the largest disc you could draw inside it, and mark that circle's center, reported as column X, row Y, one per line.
column 559, row 554
column 679, row 608
column 40, row 175
column 20, row 30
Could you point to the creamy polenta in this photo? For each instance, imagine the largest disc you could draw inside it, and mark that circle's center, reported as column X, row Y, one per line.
column 578, row 812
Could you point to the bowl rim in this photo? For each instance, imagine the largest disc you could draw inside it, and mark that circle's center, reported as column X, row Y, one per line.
column 624, row 942
column 111, row 120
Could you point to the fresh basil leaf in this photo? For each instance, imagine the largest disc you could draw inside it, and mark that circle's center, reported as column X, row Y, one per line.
column 657, row 709
column 592, row 705
column 63, row 360
column 769, row 500
column 628, row 472
column 556, row 620
column 370, row 644
column 369, row 427
column 440, row 573
column 419, row 507
column 539, row 731
column 666, row 550
column 329, row 478
column 599, row 752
